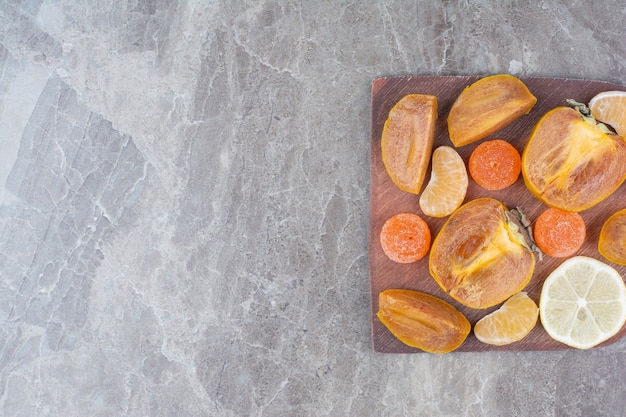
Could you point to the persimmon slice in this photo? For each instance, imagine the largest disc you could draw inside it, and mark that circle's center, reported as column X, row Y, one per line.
column 423, row 321
column 407, row 140
column 479, row 257
column 487, row 106
column 612, row 242
column 570, row 163
column 559, row 233
column 405, row 238
column 495, row 164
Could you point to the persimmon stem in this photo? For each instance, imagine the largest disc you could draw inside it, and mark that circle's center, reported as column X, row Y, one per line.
column 518, row 221
column 585, row 113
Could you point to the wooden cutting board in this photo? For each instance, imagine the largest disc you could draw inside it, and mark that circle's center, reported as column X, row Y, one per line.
column 386, row 200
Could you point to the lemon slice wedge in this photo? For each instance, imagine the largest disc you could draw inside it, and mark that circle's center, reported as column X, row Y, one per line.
column 583, row 302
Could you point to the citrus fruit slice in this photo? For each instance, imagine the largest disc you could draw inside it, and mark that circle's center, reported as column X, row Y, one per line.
column 407, row 140
column 610, row 107
column 510, row 323
column 583, row 302
column 405, row 238
column 447, row 187
column 559, row 233
column 612, row 242
column 495, row 164
column 487, row 106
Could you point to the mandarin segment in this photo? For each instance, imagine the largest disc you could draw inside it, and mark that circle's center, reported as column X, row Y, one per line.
column 448, row 183
column 407, row 140
column 610, row 107
column 510, row 323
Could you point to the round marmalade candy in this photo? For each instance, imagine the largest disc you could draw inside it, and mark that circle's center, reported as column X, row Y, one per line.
column 405, row 238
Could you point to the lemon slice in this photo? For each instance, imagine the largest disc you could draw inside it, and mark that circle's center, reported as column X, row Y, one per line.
column 610, row 107
column 510, row 323
column 583, row 302
column 447, row 186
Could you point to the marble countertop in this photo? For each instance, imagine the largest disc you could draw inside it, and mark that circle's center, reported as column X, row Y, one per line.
column 184, row 206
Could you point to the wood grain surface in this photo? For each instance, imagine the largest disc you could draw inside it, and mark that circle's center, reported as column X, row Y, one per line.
column 386, row 200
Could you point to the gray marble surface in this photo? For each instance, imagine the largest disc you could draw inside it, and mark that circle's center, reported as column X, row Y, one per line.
column 184, row 206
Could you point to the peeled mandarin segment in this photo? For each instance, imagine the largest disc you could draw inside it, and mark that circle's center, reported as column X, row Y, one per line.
column 612, row 241
column 495, row 164
column 448, row 183
column 610, row 107
column 405, row 238
column 407, row 140
column 559, row 233
column 487, row 106
column 570, row 164
column 510, row 323
column 478, row 257
column 583, row 302
column 422, row 321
